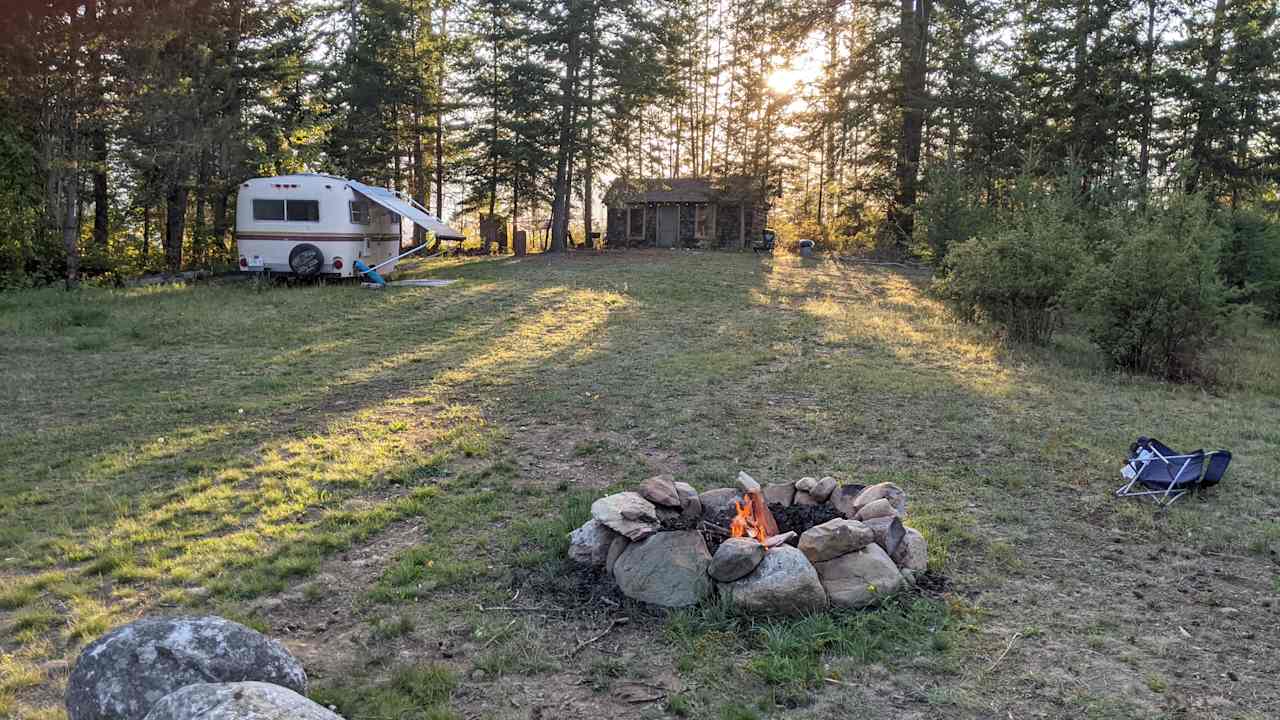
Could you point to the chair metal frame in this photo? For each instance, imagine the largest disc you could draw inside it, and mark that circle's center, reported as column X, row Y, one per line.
column 1178, row 484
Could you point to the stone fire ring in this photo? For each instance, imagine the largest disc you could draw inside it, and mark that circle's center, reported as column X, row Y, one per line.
column 821, row 545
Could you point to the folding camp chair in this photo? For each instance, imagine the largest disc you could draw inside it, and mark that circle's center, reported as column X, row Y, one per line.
column 1156, row 471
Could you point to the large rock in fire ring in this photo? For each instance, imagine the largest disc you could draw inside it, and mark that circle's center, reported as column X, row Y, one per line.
column 784, row 583
column 122, row 674
column 627, row 513
column 667, row 569
column 238, row 701
column 860, row 578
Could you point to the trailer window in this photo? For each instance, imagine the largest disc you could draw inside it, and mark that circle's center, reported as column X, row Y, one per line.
column 268, row 209
column 303, row 210
column 359, row 212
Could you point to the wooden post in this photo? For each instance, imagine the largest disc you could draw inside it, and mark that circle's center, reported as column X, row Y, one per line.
column 742, row 225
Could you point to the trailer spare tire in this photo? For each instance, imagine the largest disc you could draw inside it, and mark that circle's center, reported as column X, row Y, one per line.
column 306, row 260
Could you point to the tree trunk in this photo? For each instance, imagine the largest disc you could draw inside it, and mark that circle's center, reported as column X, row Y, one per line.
column 1148, row 104
column 220, row 201
column 444, row 26
column 101, row 203
column 560, row 199
column 175, row 225
column 588, row 173
column 914, row 33
column 146, row 232
column 68, row 187
column 1205, row 117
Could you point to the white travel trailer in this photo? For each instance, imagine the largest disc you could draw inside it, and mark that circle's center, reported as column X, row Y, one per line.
column 310, row 225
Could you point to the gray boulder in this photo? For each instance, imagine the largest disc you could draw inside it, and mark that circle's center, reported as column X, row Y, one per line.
column 690, row 505
column 667, row 569
column 876, row 509
column 238, row 701
column 122, row 674
column 735, row 558
column 805, row 484
column 835, row 538
column 746, row 483
column 913, row 552
column 781, row 493
column 804, row 498
column 615, row 550
column 784, row 583
column 842, row 499
column 859, row 579
column 660, row 490
column 889, row 531
column 626, row 513
column 823, row 489
column 719, row 501
column 589, row 544
column 884, row 490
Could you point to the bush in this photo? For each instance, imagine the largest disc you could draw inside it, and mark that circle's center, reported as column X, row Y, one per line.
column 1251, row 260
column 1156, row 301
column 950, row 212
column 1015, row 274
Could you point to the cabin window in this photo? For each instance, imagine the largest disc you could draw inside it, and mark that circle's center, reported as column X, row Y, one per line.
column 359, row 212
column 303, row 210
column 700, row 221
column 268, row 209
column 635, row 220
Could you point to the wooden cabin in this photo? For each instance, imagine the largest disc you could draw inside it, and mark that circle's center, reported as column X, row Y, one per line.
column 719, row 213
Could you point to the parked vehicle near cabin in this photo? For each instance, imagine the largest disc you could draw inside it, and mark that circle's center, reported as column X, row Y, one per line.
column 311, row 225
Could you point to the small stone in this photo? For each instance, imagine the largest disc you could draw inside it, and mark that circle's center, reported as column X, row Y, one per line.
column 859, row 579
column 589, row 544
column 783, row 494
column 616, row 547
column 238, row 701
column 719, row 501
column 784, row 583
column 886, row 490
column 690, row 505
column 878, row 508
column 747, row 484
column 667, row 569
column 834, row 538
column 627, row 513
column 889, row 532
column 805, row 484
column 913, row 552
column 735, row 558
column 804, row 498
column 823, row 489
column 842, row 499
column 661, row 490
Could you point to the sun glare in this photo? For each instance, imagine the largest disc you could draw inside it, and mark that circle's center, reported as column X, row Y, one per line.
column 785, row 79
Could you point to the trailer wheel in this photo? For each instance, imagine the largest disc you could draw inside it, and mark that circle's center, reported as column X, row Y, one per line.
column 305, row 260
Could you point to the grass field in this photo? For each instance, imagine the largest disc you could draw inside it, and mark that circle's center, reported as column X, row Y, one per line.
column 376, row 478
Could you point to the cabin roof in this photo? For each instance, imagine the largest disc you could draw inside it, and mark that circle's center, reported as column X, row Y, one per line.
column 736, row 188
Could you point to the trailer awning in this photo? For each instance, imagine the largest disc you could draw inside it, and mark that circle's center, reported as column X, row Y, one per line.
column 390, row 201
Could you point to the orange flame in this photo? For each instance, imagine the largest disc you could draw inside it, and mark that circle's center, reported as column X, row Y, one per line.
column 745, row 523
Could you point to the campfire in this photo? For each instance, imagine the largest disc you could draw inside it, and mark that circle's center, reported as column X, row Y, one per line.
column 753, row 519
column 786, row 548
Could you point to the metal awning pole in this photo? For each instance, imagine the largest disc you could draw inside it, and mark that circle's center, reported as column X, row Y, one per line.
column 402, row 255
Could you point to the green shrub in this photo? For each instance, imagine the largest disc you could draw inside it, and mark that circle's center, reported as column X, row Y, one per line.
column 1016, row 273
column 1251, row 260
column 1154, row 304
column 950, row 212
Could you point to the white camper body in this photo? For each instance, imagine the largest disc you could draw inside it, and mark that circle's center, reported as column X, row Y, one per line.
column 312, row 225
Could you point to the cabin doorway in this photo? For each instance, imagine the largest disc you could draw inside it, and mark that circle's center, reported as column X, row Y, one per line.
column 668, row 225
